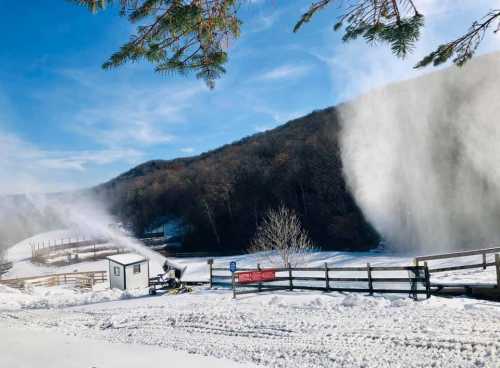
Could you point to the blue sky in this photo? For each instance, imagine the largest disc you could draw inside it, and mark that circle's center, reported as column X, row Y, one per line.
column 65, row 123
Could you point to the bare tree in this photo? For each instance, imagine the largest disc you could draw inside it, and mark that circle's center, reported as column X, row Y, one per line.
column 282, row 238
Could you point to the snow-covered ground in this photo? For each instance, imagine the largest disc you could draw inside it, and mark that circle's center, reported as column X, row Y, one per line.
column 197, row 269
column 57, row 326
column 96, row 354
column 286, row 329
column 20, row 255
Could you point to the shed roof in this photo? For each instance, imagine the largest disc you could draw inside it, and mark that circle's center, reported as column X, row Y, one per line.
column 127, row 258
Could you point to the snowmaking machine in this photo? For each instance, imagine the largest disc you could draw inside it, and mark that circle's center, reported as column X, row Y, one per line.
column 169, row 280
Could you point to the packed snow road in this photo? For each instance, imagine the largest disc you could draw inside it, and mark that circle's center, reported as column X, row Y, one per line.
column 298, row 329
column 26, row 348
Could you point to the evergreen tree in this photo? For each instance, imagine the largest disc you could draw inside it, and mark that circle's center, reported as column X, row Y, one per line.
column 193, row 35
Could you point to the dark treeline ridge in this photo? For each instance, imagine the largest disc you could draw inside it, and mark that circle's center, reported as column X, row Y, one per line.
column 222, row 195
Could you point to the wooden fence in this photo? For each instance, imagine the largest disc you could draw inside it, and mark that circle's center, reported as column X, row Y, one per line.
column 470, row 253
column 379, row 279
column 76, row 279
column 4, row 267
column 45, row 248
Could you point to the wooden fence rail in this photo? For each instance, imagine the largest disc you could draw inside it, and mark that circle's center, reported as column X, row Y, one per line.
column 4, row 267
column 77, row 279
column 44, row 249
column 327, row 279
column 478, row 252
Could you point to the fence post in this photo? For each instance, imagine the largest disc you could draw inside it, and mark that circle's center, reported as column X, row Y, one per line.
column 290, row 276
column 327, row 278
column 427, row 281
column 484, row 261
column 210, row 262
column 497, row 266
column 233, row 282
column 370, row 281
column 260, row 283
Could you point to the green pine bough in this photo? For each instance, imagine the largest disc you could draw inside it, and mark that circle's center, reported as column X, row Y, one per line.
column 193, row 36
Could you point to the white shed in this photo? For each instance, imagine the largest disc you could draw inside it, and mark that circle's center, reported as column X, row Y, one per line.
column 128, row 271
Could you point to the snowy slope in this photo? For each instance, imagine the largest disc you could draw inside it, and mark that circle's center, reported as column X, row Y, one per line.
column 20, row 255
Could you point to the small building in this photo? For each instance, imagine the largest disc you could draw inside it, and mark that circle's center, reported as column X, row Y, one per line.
column 128, row 271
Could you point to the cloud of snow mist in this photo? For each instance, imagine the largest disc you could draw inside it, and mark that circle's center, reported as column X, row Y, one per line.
column 422, row 158
column 25, row 170
column 23, row 216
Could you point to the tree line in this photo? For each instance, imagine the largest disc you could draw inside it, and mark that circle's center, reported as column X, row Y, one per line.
column 221, row 196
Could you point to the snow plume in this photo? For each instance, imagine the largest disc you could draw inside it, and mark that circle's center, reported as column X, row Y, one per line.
column 422, row 158
column 22, row 216
column 25, row 170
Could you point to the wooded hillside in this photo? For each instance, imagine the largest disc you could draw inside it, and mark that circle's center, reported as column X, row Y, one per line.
column 222, row 195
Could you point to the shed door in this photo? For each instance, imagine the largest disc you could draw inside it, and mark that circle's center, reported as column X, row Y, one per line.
column 116, row 276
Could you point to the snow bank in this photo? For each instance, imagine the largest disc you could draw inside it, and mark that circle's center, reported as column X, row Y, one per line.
column 59, row 297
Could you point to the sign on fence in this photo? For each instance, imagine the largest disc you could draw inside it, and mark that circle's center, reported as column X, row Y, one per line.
column 256, row 276
column 232, row 266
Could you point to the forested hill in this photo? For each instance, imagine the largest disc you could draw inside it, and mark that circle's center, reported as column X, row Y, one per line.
column 222, row 195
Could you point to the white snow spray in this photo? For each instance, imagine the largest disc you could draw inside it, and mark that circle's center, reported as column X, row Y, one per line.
column 422, row 158
column 91, row 219
column 80, row 214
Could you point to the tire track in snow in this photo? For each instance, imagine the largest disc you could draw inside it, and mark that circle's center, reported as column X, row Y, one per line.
column 311, row 331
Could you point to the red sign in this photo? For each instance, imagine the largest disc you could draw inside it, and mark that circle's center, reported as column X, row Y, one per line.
column 256, row 276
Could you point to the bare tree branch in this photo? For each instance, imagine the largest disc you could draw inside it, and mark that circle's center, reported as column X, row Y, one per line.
column 281, row 238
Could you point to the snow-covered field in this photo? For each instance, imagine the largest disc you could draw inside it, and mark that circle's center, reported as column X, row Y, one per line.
column 298, row 329
column 95, row 354
column 55, row 327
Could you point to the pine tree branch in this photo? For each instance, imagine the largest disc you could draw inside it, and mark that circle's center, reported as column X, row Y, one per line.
column 465, row 46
